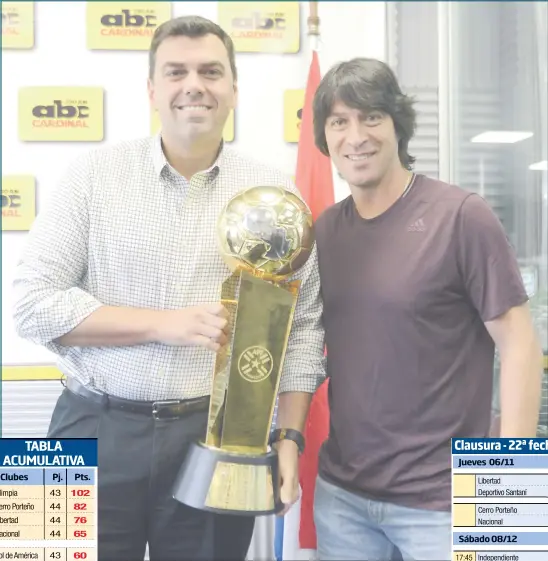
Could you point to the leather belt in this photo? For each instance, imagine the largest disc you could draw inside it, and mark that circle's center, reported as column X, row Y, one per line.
column 161, row 409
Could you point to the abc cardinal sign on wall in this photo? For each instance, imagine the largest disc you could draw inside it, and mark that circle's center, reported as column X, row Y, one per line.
column 124, row 26
column 262, row 27
column 61, row 114
column 17, row 25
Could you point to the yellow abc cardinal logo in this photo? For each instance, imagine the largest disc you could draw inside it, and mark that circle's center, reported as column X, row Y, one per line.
column 262, row 27
column 17, row 25
column 124, row 25
column 18, row 202
column 293, row 107
column 61, row 114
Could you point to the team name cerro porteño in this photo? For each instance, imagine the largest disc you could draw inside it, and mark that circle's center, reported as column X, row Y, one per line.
column 17, row 506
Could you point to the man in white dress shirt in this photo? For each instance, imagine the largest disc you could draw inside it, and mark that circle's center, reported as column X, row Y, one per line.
column 121, row 279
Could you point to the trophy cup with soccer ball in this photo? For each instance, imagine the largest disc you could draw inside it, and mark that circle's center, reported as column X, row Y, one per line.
column 265, row 234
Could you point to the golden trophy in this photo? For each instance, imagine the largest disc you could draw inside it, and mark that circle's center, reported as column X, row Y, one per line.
column 265, row 234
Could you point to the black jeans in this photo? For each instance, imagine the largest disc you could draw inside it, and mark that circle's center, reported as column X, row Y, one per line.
column 138, row 460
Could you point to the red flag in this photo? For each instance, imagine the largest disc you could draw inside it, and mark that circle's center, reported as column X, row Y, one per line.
column 314, row 176
column 315, row 182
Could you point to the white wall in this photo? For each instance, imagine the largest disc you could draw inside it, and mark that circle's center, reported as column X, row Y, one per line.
column 60, row 58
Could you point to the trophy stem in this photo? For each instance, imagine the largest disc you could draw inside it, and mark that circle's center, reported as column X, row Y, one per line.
column 262, row 325
column 220, row 373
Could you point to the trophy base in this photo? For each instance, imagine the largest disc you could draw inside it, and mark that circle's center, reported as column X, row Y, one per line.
column 228, row 483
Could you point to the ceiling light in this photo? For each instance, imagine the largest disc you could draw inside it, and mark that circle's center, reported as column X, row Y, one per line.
column 539, row 166
column 501, row 137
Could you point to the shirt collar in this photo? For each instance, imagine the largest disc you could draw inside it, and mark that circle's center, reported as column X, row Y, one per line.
column 160, row 162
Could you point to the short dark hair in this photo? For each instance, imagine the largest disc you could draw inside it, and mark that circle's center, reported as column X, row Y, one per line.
column 365, row 84
column 190, row 26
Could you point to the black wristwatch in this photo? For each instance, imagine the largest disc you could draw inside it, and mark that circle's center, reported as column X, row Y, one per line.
column 288, row 434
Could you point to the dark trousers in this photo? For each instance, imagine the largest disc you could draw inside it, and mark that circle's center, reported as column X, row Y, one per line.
column 138, row 460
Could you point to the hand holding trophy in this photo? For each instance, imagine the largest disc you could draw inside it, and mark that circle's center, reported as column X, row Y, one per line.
column 265, row 234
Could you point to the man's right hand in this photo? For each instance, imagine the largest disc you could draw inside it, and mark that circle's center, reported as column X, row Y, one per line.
column 202, row 326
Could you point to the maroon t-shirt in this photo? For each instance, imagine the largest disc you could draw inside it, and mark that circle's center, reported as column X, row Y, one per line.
column 406, row 295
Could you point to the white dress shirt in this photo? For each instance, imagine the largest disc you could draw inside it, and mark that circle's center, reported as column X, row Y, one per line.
column 123, row 228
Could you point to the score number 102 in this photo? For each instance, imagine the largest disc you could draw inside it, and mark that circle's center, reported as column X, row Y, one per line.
column 74, row 492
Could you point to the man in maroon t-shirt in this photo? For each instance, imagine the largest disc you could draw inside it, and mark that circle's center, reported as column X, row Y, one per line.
column 419, row 285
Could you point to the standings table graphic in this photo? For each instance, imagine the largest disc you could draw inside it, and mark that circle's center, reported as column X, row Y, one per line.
column 500, row 499
column 48, row 499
